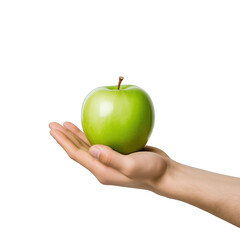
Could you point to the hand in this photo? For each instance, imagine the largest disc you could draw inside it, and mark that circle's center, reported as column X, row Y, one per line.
column 153, row 170
column 146, row 169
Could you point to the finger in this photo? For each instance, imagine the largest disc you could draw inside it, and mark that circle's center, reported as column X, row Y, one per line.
column 55, row 125
column 75, row 153
column 64, row 142
column 113, row 159
column 77, row 141
column 74, row 129
column 104, row 174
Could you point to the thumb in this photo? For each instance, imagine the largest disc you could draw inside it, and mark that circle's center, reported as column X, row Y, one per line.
column 109, row 157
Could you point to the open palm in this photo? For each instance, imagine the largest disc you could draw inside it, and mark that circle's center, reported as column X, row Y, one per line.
column 141, row 169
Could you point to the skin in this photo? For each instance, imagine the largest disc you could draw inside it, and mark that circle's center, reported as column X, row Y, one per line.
column 152, row 169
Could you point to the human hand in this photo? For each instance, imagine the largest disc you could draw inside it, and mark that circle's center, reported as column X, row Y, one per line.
column 146, row 169
column 153, row 170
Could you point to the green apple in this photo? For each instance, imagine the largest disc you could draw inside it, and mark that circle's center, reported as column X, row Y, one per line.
column 121, row 117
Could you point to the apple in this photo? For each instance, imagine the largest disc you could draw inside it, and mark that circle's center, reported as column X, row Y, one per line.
column 121, row 117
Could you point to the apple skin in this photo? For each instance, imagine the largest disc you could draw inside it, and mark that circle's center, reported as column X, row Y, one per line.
column 121, row 119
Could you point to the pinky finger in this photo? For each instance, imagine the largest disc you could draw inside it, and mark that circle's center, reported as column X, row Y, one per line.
column 64, row 142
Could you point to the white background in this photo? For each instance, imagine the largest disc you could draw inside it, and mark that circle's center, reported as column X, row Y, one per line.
column 185, row 54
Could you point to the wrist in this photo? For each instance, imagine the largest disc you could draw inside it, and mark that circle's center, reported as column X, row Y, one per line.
column 168, row 184
column 191, row 185
column 215, row 193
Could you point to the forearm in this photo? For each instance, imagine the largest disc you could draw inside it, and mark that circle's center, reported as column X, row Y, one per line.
column 215, row 193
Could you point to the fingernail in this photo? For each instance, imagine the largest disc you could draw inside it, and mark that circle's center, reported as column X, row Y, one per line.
column 95, row 152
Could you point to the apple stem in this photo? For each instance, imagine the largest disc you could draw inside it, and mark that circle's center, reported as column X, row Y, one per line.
column 120, row 81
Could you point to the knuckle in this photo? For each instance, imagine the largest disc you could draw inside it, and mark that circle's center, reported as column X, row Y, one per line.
column 72, row 154
column 103, row 181
column 107, row 160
